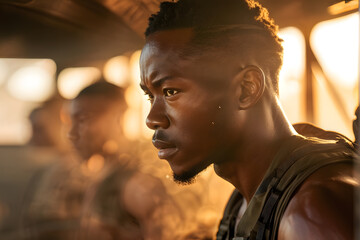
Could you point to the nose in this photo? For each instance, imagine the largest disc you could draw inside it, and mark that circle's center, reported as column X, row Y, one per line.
column 73, row 134
column 157, row 117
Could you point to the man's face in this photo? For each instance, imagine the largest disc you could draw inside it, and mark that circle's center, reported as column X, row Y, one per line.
column 93, row 123
column 192, row 103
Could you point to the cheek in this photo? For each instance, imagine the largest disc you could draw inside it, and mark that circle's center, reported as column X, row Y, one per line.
column 86, row 130
column 197, row 122
column 91, row 134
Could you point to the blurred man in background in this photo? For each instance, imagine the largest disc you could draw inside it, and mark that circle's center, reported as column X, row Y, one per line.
column 47, row 127
column 41, row 195
column 54, row 197
column 121, row 202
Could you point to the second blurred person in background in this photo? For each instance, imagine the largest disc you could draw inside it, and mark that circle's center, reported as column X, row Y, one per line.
column 121, row 202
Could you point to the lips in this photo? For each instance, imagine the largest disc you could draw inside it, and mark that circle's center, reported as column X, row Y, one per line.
column 76, row 145
column 166, row 149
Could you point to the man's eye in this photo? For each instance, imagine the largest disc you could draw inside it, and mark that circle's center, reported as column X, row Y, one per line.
column 170, row 92
column 83, row 119
column 149, row 96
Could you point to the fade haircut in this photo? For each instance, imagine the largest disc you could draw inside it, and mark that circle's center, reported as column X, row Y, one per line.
column 106, row 91
column 225, row 25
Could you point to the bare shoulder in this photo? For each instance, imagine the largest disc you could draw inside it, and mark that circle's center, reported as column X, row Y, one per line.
column 323, row 207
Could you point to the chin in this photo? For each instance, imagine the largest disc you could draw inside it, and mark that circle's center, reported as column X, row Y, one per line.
column 186, row 177
column 85, row 156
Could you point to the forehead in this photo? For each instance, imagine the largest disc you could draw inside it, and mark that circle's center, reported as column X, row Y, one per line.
column 89, row 104
column 172, row 52
column 164, row 46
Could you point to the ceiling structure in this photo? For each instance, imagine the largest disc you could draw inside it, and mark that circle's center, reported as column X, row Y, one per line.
column 71, row 32
column 81, row 32
column 88, row 32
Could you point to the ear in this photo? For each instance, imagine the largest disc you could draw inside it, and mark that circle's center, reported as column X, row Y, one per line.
column 250, row 86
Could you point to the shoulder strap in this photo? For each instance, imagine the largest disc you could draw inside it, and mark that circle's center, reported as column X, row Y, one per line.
column 288, row 177
column 227, row 223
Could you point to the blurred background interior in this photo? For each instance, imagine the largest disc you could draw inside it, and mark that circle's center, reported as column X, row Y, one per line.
column 50, row 50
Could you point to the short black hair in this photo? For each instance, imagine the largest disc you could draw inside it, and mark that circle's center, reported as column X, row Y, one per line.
column 216, row 21
column 104, row 90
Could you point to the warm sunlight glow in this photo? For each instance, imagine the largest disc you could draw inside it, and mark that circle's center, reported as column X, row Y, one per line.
column 294, row 61
column 343, row 6
column 131, row 128
column 336, row 45
column 110, row 147
column 95, row 163
column 135, row 126
column 3, row 71
column 134, row 66
column 24, row 84
column 292, row 73
column 35, row 82
column 116, row 71
column 147, row 132
column 72, row 80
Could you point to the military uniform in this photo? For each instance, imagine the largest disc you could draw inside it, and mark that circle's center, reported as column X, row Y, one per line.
column 296, row 160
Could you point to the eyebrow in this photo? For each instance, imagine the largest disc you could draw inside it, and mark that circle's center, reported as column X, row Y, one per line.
column 157, row 82
column 80, row 114
column 160, row 81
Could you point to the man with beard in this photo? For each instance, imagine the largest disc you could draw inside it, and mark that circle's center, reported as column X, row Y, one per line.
column 210, row 69
column 121, row 202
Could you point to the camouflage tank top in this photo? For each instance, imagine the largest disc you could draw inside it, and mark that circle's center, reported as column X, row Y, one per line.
column 262, row 217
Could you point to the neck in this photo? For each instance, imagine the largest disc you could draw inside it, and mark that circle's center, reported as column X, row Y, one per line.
column 266, row 131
